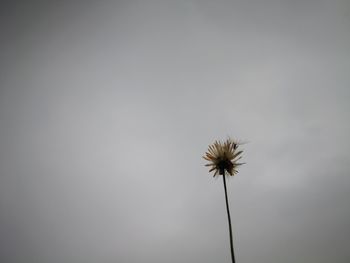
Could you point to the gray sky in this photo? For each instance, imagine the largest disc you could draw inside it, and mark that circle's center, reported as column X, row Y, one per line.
column 106, row 109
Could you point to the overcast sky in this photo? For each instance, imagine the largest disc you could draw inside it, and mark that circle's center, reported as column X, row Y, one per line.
column 106, row 109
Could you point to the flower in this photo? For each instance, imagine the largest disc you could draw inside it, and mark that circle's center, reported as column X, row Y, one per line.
column 223, row 156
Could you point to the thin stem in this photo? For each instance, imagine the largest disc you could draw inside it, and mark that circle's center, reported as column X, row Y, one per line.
column 229, row 219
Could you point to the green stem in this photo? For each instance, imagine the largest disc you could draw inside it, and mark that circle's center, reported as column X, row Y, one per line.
column 229, row 219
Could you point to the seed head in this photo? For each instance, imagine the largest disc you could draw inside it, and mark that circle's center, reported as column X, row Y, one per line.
column 223, row 156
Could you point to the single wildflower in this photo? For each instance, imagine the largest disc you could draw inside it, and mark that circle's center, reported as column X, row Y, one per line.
column 223, row 156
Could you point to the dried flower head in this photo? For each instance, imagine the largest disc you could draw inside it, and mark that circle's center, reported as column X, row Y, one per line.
column 223, row 156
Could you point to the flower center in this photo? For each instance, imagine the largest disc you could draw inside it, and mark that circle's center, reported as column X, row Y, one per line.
column 225, row 165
